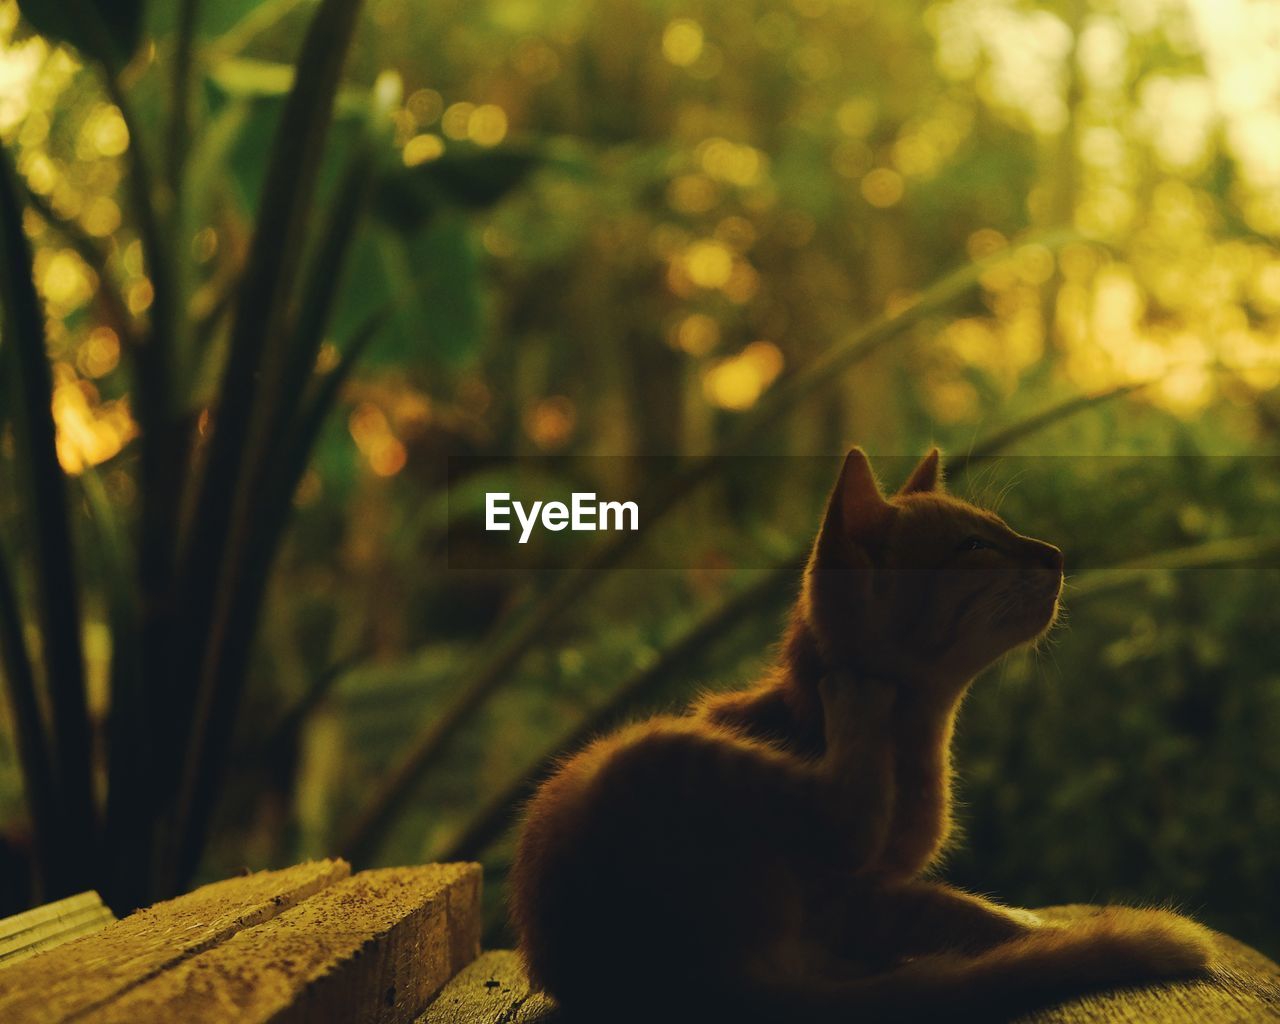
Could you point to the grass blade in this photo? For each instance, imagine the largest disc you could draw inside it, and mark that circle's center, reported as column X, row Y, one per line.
column 126, row 833
column 321, row 288
column 32, row 743
column 284, row 733
column 1006, row 439
column 164, row 448
column 260, row 18
column 266, row 286
column 47, row 513
column 1214, row 554
column 106, row 31
column 240, row 615
column 323, row 398
column 213, row 556
column 180, row 115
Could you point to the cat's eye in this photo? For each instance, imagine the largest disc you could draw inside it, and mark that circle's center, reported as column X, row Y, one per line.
column 973, row 544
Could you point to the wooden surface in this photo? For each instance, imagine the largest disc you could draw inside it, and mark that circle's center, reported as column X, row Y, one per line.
column 1245, row 989
column 73, row 979
column 372, row 949
column 492, row 990
column 310, row 944
column 24, row 935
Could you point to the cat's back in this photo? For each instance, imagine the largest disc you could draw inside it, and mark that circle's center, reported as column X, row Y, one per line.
column 625, row 832
column 616, row 785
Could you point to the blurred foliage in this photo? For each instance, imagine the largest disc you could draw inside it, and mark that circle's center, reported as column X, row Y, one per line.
column 615, row 228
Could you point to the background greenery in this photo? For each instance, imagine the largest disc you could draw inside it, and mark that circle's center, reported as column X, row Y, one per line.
column 634, row 228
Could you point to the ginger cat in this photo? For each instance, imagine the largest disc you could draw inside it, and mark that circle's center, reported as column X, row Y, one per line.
column 760, row 857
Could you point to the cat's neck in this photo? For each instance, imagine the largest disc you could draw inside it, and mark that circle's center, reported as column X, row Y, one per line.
column 923, row 719
column 804, row 663
column 785, row 706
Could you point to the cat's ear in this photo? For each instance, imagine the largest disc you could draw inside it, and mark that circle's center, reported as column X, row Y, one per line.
column 857, row 507
column 925, row 477
column 839, row 579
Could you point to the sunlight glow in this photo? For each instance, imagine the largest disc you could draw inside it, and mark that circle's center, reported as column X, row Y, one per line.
column 738, row 382
column 682, row 42
column 422, row 148
column 89, row 431
column 550, row 422
column 371, row 431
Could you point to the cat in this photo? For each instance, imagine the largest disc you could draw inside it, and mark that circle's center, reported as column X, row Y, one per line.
column 761, row 856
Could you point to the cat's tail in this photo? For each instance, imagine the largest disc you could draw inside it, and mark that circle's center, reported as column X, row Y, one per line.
column 1116, row 946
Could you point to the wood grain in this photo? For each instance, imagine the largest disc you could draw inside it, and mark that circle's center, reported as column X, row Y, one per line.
column 26, row 934
column 72, row 980
column 1243, row 989
column 372, row 949
column 492, row 990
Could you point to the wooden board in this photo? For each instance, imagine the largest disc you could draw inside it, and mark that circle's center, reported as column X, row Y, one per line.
column 372, row 949
column 73, row 979
column 492, row 990
column 1245, row 989
column 26, row 934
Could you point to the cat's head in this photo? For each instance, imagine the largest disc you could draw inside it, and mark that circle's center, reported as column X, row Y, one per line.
column 920, row 584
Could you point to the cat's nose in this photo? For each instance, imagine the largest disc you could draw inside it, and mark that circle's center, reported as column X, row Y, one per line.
column 1051, row 557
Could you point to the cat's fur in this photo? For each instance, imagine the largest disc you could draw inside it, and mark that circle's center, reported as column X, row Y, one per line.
column 761, row 856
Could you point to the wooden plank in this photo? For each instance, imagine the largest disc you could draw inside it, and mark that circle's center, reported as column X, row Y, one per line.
column 372, row 949
column 72, row 979
column 26, row 934
column 1244, row 988
column 492, row 990
column 12, row 928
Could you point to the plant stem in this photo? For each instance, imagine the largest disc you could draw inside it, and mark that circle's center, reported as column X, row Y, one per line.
column 33, row 745
column 180, row 118
column 163, row 461
column 57, row 593
column 217, row 554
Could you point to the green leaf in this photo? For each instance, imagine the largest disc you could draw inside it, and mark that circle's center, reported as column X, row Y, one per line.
column 240, row 22
column 324, row 278
column 302, row 439
column 45, row 505
column 466, row 177
column 216, row 554
column 130, row 722
column 107, row 30
column 242, row 78
column 452, row 295
column 441, row 269
column 30, row 738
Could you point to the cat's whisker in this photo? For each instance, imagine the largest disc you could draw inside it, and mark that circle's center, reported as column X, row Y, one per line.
column 988, row 486
column 1003, row 493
